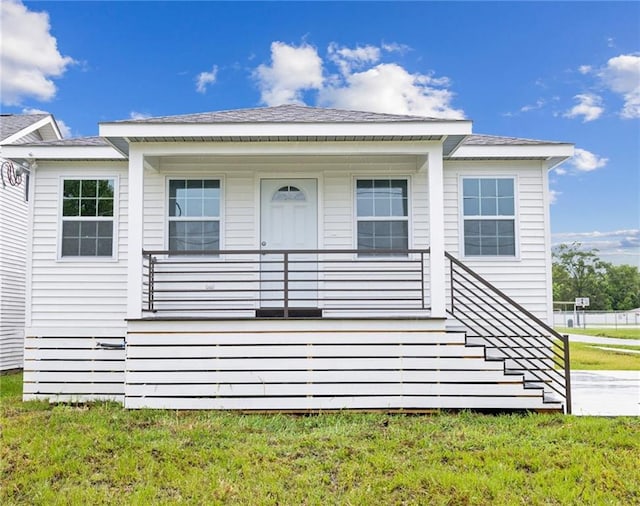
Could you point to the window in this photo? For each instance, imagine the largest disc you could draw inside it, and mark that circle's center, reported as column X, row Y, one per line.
column 382, row 214
column 289, row 193
column 87, row 217
column 194, row 214
column 489, row 216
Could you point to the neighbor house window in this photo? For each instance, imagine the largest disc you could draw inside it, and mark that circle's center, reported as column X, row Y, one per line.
column 382, row 214
column 489, row 216
column 194, row 214
column 88, row 217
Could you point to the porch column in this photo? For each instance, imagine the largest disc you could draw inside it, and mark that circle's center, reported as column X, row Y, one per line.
column 437, row 284
column 135, row 233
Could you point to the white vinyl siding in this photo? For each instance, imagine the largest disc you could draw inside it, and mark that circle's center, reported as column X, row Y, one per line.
column 523, row 277
column 82, row 293
column 13, row 231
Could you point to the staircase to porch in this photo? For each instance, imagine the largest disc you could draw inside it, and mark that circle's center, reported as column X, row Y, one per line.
column 509, row 333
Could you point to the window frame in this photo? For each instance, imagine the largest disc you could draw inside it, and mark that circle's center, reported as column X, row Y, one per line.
column 166, row 209
column 514, row 218
column 356, row 218
column 115, row 219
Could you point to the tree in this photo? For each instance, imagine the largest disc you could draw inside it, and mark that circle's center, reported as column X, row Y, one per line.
column 580, row 273
column 623, row 286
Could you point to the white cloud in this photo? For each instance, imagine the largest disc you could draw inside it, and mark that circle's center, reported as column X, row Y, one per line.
column 65, row 131
column 585, row 69
column 29, row 56
column 139, row 115
column 617, row 246
column 204, row 79
column 553, row 196
column 585, row 161
column 362, row 81
column 532, row 107
column 348, row 59
column 589, row 106
column 394, row 47
column 390, row 88
column 622, row 76
column 292, row 70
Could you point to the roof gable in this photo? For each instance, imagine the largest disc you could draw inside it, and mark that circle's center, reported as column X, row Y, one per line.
column 13, row 127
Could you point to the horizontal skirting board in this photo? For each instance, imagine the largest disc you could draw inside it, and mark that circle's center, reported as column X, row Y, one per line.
column 74, row 388
column 375, row 323
column 248, row 338
column 116, row 365
column 325, row 390
column 301, row 350
column 70, row 343
column 324, row 364
column 339, row 403
column 74, row 376
column 187, row 378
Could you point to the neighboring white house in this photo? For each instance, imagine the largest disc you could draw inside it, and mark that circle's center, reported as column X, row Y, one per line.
column 293, row 258
column 15, row 128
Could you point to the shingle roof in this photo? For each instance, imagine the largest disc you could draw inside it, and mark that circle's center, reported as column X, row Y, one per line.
column 289, row 113
column 12, row 123
column 495, row 140
column 78, row 141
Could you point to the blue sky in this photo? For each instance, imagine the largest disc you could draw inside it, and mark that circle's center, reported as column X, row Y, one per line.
column 545, row 70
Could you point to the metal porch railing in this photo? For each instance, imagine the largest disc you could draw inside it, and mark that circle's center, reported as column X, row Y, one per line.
column 509, row 332
column 285, row 283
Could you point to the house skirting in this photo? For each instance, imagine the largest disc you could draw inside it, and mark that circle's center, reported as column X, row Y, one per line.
column 315, row 364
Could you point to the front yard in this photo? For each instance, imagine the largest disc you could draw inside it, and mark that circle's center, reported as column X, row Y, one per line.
column 103, row 454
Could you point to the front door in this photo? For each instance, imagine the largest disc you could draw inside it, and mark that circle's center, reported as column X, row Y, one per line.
column 289, row 221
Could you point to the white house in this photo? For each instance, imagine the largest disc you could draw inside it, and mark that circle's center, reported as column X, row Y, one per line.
column 16, row 128
column 293, row 258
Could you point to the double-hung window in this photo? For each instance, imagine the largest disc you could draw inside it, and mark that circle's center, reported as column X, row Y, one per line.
column 194, row 214
column 382, row 214
column 489, row 216
column 88, row 217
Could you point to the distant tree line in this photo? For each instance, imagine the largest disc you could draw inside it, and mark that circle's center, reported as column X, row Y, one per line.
column 579, row 272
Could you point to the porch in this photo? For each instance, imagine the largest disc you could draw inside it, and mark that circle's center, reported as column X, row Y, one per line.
column 334, row 329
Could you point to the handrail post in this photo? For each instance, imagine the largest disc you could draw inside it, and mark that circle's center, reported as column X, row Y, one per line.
column 152, row 262
column 286, row 284
column 422, row 276
column 567, row 374
column 451, row 285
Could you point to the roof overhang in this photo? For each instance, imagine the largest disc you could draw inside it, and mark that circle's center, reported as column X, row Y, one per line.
column 554, row 154
column 121, row 134
column 29, row 152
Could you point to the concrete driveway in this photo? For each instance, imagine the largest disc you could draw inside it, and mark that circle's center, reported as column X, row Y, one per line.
column 605, row 393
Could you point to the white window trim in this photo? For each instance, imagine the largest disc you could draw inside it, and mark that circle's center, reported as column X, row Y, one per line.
column 515, row 217
column 115, row 219
column 356, row 218
column 165, row 208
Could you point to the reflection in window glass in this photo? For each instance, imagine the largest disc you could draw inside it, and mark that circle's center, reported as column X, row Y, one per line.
column 382, row 214
column 194, row 214
column 488, row 206
column 87, row 217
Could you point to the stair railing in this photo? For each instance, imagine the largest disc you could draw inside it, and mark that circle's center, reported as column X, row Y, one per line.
column 509, row 332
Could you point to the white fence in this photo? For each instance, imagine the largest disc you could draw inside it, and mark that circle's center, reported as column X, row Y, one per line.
column 587, row 319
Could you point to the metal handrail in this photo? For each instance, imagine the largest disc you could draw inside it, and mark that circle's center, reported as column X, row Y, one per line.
column 220, row 281
column 520, row 324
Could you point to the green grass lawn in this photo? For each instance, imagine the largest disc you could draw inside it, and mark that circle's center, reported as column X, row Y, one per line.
column 103, row 454
column 590, row 357
column 620, row 333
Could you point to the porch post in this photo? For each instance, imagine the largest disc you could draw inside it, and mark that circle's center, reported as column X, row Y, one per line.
column 135, row 233
column 437, row 284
